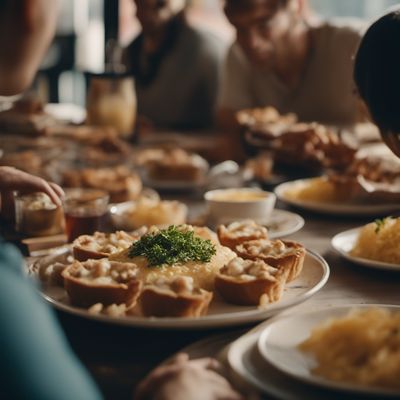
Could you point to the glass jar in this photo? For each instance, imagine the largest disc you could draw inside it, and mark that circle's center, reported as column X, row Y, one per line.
column 36, row 215
column 111, row 101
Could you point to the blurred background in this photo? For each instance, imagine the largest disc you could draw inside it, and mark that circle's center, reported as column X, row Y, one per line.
column 86, row 26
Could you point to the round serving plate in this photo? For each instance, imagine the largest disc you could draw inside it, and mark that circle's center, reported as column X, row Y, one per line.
column 221, row 314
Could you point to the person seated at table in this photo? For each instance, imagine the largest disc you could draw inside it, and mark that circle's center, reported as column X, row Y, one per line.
column 285, row 57
column 376, row 75
column 176, row 67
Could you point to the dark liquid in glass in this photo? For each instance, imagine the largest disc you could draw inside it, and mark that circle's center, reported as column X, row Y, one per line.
column 77, row 225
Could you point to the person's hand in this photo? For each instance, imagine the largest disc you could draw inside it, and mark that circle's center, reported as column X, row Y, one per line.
column 13, row 179
column 184, row 379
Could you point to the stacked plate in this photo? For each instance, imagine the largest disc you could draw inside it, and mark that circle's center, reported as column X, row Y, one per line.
column 269, row 359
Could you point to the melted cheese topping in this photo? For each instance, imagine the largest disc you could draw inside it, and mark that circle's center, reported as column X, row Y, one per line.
column 244, row 229
column 266, row 248
column 179, row 284
column 106, row 243
column 104, row 271
column 203, row 274
column 249, row 270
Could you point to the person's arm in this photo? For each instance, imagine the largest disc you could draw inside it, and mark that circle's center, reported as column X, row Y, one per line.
column 36, row 360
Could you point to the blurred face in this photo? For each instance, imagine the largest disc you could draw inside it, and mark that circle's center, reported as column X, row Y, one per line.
column 153, row 15
column 262, row 29
column 26, row 30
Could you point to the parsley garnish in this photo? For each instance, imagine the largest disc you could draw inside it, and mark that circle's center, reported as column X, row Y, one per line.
column 379, row 223
column 172, row 246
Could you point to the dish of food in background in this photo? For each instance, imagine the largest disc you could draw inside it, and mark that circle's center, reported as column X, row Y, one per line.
column 373, row 245
column 266, row 120
column 26, row 160
column 307, row 145
column 350, row 348
column 320, row 195
column 26, row 117
column 172, row 168
column 120, row 182
column 261, row 170
column 37, row 215
column 148, row 211
column 227, row 205
column 163, row 284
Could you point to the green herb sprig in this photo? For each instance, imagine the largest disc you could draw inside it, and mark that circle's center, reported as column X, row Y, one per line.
column 172, row 246
column 379, row 223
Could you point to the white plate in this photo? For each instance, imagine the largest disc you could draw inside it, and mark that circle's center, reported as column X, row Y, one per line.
column 278, row 343
column 67, row 112
column 175, row 184
column 350, row 209
column 344, row 243
column 282, row 223
column 313, row 277
column 244, row 360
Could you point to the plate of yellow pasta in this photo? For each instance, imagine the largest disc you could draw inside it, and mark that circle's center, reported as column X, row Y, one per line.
column 349, row 348
column 320, row 195
column 375, row 245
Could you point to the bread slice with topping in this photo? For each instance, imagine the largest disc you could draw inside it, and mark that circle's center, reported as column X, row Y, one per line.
column 176, row 297
column 246, row 282
column 277, row 253
column 101, row 281
column 101, row 245
column 239, row 232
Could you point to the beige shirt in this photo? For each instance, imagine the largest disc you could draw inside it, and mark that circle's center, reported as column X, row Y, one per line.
column 325, row 92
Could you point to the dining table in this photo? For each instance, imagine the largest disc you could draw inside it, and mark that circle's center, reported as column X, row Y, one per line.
column 118, row 357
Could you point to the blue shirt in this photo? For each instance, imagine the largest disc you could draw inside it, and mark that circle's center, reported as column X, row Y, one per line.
column 36, row 361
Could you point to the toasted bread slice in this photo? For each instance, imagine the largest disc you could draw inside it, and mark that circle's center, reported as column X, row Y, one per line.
column 245, row 282
column 277, row 253
column 101, row 245
column 237, row 233
column 101, row 281
column 175, row 298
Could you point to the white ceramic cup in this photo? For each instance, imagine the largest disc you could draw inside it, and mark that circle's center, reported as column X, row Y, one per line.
column 227, row 205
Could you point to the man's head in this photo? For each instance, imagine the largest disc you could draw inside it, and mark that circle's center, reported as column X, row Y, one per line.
column 26, row 30
column 263, row 27
column 154, row 15
column 377, row 77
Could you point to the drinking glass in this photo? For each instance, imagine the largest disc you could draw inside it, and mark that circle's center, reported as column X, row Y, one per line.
column 85, row 211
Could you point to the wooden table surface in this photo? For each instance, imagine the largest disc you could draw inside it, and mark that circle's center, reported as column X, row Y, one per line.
column 119, row 357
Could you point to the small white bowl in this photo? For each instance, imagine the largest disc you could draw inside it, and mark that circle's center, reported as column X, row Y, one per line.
column 227, row 205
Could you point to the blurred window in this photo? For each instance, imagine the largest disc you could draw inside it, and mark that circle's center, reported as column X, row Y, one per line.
column 366, row 9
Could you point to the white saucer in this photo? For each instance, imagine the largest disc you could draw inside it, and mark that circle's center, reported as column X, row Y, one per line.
column 281, row 223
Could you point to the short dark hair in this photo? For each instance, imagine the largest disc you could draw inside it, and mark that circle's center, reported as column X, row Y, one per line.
column 377, row 71
column 244, row 4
